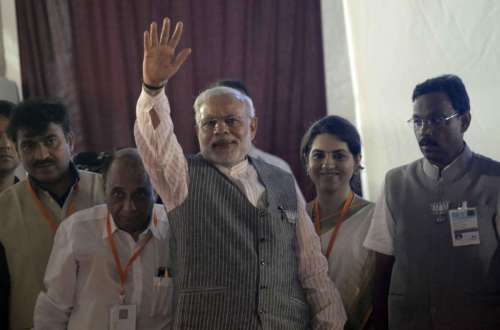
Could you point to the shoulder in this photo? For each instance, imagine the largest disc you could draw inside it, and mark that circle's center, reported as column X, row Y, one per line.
column 485, row 165
column 272, row 169
column 404, row 169
column 86, row 176
column 13, row 201
column 15, row 191
column 401, row 175
column 84, row 219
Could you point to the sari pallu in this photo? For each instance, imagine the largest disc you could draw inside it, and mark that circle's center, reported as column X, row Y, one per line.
column 351, row 266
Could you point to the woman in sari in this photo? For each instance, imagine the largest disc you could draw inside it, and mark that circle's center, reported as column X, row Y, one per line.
column 331, row 154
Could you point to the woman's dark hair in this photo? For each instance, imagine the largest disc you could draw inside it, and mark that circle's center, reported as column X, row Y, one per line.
column 334, row 125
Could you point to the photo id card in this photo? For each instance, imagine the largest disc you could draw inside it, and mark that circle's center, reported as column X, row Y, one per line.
column 122, row 317
column 464, row 226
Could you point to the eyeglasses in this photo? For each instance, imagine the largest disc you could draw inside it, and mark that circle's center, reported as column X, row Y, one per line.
column 432, row 122
column 230, row 121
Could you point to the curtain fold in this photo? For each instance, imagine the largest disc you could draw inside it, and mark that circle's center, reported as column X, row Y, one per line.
column 89, row 53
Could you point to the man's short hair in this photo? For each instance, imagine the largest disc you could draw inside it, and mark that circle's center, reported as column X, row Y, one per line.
column 233, row 83
column 449, row 84
column 6, row 108
column 127, row 152
column 237, row 95
column 36, row 115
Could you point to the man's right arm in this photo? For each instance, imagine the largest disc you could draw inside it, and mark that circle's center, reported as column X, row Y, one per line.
column 53, row 307
column 380, row 239
column 153, row 130
column 159, row 149
column 381, row 284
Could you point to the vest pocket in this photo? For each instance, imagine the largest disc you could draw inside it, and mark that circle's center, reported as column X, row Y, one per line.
column 289, row 215
column 163, row 290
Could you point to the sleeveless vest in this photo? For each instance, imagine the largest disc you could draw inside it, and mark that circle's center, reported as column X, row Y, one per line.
column 435, row 285
column 235, row 265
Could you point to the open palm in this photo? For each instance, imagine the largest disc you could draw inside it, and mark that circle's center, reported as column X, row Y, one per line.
column 160, row 61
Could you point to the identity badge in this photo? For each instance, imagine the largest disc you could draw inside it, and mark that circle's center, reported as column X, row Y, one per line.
column 122, row 317
column 464, row 226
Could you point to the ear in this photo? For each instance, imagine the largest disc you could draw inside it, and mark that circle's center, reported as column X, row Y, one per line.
column 253, row 127
column 465, row 120
column 70, row 138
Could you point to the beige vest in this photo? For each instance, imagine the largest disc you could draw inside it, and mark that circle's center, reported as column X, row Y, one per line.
column 27, row 238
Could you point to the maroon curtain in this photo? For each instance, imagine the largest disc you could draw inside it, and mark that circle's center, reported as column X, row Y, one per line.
column 90, row 54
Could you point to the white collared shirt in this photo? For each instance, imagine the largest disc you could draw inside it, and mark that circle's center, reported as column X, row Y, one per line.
column 82, row 281
column 167, row 166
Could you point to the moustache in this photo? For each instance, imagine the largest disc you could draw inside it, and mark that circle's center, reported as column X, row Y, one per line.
column 427, row 142
column 5, row 155
column 221, row 142
column 41, row 163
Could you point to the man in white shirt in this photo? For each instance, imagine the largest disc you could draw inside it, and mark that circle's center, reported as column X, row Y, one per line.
column 244, row 251
column 436, row 226
column 110, row 261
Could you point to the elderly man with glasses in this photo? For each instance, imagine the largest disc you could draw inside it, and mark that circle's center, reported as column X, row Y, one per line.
column 436, row 226
column 244, row 253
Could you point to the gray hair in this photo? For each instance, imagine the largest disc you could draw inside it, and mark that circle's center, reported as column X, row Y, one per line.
column 204, row 96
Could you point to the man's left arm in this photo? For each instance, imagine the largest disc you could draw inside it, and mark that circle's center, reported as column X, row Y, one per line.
column 322, row 295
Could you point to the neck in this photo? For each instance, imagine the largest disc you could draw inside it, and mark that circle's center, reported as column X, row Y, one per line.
column 332, row 201
column 450, row 160
column 6, row 181
column 136, row 233
column 60, row 187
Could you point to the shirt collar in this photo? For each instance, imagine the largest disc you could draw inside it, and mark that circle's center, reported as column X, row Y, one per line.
column 159, row 230
column 75, row 178
column 452, row 171
column 236, row 170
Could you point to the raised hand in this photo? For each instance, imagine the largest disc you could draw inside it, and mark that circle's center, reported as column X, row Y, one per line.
column 160, row 62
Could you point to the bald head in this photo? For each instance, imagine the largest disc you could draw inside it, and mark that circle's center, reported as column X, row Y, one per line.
column 129, row 194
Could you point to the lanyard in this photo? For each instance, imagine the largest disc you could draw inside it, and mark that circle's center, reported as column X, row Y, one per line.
column 123, row 272
column 46, row 212
column 343, row 213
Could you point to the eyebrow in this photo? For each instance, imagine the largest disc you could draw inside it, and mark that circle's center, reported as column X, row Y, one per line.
column 335, row 150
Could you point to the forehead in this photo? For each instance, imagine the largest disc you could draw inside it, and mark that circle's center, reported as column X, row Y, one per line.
column 328, row 142
column 127, row 175
column 433, row 104
column 222, row 106
column 29, row 134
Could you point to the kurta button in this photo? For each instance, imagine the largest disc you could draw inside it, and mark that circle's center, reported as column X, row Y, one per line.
column 261, row 311
column 262, row 263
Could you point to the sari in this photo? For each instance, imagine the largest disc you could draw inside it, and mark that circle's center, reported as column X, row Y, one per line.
column 351, row 266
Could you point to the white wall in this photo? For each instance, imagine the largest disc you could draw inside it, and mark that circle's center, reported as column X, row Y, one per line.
column 10, row 42
column 398, row 44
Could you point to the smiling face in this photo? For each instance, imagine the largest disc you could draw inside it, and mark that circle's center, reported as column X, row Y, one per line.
column 440, row 144
column 45, row 156
column 225, row 130
column 330, row 164
column 8, row 154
